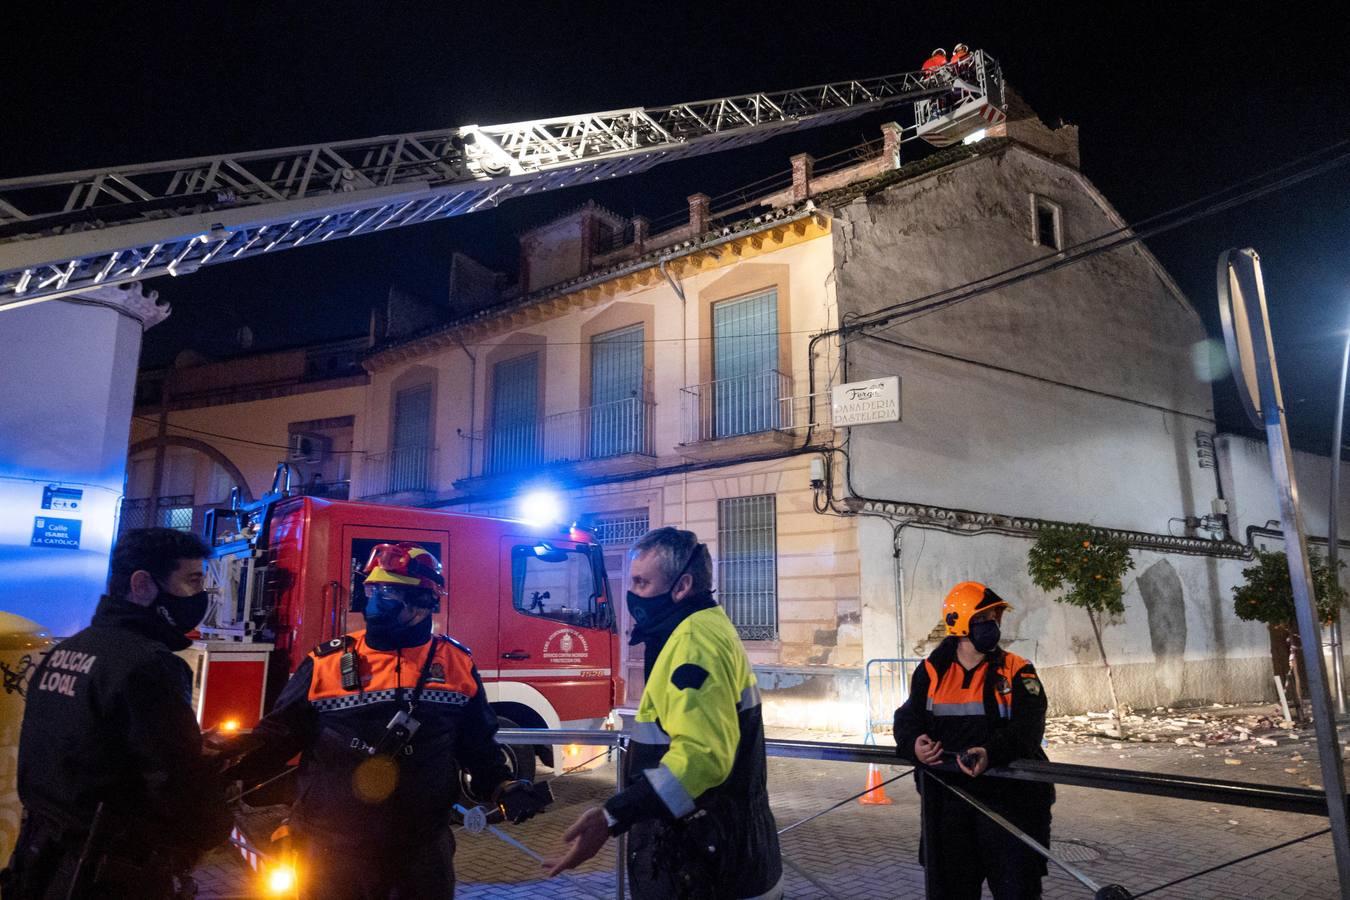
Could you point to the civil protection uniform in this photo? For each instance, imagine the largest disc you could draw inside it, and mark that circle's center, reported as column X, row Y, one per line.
column 370, row 824
column 109, row 740
column 999, row 705
column 696, row 804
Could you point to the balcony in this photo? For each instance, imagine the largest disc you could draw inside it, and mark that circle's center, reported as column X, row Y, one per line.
column 609, row 431
column 738, row 416
column 401, row 471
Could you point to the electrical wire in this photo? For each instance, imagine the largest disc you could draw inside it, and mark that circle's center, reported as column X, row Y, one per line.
column 239, row 440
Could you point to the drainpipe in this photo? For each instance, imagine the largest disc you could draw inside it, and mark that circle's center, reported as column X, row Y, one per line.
column 473, row 387
column 896, row 551
column 684, row 371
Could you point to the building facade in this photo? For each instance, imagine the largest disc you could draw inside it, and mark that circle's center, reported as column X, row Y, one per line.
column 683, row 378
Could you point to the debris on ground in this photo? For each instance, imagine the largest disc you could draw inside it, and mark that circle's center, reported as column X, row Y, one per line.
column 1229, row 726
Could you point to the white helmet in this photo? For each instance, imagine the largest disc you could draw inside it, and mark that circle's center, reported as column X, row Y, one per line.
column 939, row 52
column 959, row 47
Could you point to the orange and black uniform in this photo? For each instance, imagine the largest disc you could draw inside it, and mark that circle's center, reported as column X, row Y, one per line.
column 370, row 826
column 933, row 63
column 999, row 705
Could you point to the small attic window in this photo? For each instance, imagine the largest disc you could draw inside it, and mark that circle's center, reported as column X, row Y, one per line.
column 1047, row 227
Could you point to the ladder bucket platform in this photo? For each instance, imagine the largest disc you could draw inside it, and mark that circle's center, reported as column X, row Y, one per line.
column 974, row 114
column 974, row 100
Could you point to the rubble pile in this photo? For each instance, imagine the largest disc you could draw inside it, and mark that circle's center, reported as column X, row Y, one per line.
column 1214, row 726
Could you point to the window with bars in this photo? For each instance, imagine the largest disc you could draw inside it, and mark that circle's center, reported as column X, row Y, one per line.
column 747, row 564
column 514, row 440
column 745, row 364
column 609, row 530
column 410, row 457
column 617, row 415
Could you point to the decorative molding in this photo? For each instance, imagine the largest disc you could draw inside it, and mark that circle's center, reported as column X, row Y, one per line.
column 129, row 299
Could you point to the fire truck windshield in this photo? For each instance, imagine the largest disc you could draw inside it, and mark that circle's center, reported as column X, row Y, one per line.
column 555, row 583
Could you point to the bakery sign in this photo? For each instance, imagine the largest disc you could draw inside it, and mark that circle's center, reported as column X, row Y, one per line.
column 866, row 402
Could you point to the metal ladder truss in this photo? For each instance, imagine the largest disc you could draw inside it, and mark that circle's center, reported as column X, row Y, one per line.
column 63, row 233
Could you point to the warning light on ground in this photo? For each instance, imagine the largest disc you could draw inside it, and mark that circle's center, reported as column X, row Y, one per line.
column 229, row 725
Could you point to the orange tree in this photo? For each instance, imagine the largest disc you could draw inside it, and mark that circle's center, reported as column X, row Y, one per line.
column 1087, row 564
column 1267, row 596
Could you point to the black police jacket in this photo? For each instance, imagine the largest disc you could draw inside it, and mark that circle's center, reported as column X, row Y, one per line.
column 374, row 803
column 109, row 720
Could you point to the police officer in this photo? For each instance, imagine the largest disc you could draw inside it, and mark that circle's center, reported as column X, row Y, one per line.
column 383, row 719
column 696, row 805
column 119, row 801
column 981, row 706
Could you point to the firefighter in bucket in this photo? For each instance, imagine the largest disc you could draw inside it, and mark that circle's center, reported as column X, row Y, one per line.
column 384, row 719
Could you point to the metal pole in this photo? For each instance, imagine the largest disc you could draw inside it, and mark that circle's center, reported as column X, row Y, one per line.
column 1333, row 530
column 1296, row 548
column 621, row 842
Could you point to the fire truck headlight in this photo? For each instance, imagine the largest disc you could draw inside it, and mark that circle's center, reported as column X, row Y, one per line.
column 540, row 508
column 281, row 880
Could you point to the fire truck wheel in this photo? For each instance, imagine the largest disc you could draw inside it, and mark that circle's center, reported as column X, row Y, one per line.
column 520, row 757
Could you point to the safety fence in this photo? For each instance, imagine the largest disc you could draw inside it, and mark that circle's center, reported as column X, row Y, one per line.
column 1301, row 800
column 613, row 744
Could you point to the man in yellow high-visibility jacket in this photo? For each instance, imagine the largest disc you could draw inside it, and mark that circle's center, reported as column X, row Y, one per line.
column 696, row 805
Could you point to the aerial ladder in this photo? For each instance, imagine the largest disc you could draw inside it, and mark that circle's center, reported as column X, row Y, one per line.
column 69, row 232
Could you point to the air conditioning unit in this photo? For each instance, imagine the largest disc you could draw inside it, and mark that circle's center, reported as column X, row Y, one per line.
column 309, row 448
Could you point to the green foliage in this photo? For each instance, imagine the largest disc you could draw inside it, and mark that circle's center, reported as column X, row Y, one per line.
column 1268, row 594
column 1087, row 562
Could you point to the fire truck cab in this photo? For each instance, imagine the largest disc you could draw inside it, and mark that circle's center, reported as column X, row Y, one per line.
column 531, row 602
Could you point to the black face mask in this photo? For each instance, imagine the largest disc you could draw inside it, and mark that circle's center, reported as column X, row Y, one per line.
column 984, row 635
column 648, row 609
column 384, row 608
column 180, row 613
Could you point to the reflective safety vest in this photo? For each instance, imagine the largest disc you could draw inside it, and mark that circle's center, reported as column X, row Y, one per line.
column 698, row 743
column 957, row 692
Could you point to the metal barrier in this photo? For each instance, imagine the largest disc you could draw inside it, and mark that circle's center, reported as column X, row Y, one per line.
column 1306, row 801
column 886, row 686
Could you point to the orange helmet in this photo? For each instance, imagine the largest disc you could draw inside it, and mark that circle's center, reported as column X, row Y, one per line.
column 406, row 564
column 964, row 601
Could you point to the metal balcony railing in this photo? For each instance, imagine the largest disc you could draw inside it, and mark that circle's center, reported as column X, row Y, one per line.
column 606, row 430
column 746, row 404
column 399, row 470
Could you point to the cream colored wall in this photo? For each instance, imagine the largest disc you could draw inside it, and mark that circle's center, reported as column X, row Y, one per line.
column 677, row 356
column 246, row 425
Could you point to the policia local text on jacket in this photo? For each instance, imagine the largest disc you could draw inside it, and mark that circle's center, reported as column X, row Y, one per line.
column 696, row 805
column 366, row 822
column 109, row 725
column 999, row 705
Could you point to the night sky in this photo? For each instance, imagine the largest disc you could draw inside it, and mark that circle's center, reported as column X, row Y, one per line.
column 1173, row 100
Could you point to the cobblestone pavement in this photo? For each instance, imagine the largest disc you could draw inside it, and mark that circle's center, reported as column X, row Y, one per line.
column 870, row 851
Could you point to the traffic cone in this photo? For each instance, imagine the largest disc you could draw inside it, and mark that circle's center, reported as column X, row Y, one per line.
column 876, row 794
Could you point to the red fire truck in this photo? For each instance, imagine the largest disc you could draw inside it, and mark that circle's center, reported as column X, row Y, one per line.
column 531, row 602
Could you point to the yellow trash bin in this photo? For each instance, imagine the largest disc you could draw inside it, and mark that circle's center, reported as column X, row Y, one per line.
column 22, row 644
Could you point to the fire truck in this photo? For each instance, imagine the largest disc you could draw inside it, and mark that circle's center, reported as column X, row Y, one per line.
column 532, row 603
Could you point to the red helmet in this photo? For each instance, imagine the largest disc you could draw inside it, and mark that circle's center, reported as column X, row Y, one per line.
column 405, row 563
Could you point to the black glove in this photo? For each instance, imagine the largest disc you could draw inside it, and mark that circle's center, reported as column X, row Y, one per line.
column 520, row 800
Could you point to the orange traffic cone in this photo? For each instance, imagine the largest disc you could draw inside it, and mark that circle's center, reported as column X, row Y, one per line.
column 876, row 794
